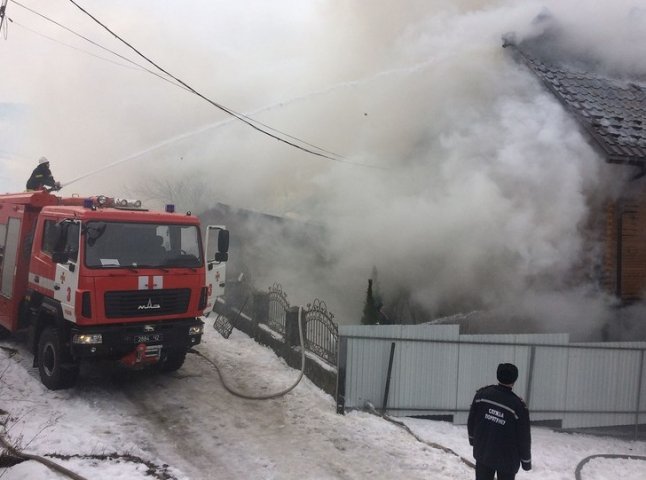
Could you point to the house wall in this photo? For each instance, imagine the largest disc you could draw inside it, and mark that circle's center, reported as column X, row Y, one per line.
column 624, row 265
column 609, row 273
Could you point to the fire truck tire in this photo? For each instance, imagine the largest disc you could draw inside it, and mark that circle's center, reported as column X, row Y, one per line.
column 172, row 361
column 4, row 333
column 57, row 371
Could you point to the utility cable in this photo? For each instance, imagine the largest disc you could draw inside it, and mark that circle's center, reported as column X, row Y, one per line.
column 71, row 46
column 58, row 24
column 239, row 116
column 135, row 64
column 246, row 396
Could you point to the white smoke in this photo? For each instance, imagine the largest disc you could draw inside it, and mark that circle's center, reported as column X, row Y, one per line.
column 484, row 185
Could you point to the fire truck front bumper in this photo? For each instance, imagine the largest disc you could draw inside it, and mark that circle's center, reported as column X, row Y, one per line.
column 115, row 341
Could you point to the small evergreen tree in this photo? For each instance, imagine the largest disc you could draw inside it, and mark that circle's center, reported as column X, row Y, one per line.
column 370, row 313
column 376, row 288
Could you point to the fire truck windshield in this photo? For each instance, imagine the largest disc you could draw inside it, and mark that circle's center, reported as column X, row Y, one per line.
column 129, row 245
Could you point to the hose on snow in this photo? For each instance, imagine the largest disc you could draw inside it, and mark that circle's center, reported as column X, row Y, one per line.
column 579, row 467
column 45, row 461
column 577, row 472
column 246, row 396
column 371, row 408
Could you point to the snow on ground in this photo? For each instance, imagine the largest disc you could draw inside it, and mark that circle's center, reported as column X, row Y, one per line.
column 186, row 426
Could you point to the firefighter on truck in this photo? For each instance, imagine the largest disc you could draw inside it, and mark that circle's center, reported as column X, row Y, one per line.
column 90, row 278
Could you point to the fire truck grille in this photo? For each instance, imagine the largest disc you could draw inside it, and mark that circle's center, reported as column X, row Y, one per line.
column 143, row 303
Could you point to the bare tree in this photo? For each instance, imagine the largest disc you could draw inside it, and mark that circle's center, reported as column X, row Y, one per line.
column 190, row 191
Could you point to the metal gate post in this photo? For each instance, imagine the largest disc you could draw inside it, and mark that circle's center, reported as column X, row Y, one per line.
column 342, row 361
column 390, row 369
column 639, row 393
column 530, row 374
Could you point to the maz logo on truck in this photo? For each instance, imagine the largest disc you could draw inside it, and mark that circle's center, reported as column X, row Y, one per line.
column 149, row 306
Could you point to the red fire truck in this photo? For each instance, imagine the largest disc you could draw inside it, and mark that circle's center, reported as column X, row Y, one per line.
column 99, row 277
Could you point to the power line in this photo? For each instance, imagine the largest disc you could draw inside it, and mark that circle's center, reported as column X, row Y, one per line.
column 139, row 66
column 241, row 117
column 71, row 46
column 135, row 64
column 58, row 24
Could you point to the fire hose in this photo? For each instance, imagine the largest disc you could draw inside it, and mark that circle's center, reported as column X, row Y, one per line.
column 579, row 467
column 17, row 456
column 577, row 472
column 371, row 408
column 45, row 461
column 246, row 396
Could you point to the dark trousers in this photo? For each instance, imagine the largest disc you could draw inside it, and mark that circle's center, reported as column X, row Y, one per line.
column 486, row 473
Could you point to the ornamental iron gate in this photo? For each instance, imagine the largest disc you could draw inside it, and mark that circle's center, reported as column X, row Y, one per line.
column 278, row 306
column 321, row 333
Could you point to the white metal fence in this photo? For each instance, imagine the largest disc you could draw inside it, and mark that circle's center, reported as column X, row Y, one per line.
column 436, row 371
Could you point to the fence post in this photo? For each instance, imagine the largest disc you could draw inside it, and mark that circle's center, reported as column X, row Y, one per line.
column 639, row 392
column 260, row 311
column 390, row 369
column 530, row 374
column 342, row 360
column 292, row 338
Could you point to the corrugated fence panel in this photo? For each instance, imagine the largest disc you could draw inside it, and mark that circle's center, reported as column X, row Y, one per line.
column 437, row 371
column 425, row 378
column 601, row 381
column 367, row 363
column 477, row 367
column 545, row 396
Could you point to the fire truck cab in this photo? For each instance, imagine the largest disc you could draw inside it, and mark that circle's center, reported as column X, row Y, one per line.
column 98, row 277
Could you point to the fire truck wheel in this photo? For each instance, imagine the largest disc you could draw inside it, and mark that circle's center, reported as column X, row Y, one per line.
column 56, row 369
column 4, row 333
column 172, row 361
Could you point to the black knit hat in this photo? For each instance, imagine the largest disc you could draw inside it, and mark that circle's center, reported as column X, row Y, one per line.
column 507, row 373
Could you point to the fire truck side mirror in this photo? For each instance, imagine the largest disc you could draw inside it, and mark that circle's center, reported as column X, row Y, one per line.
column 223, row 246
column 223, row 243
column 218, row 245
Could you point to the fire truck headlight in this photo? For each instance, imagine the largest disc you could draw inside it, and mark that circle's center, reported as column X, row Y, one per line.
column 87, row 339
column 196, row 330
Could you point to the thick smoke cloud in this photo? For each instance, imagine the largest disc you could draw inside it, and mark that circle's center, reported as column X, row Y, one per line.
column 482, row 188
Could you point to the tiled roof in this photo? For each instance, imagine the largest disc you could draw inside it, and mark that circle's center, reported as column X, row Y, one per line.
column 611, row 110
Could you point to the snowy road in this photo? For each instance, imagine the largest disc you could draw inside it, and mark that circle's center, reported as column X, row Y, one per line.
column 190, row 422
column 187, row 426
column 202, row 429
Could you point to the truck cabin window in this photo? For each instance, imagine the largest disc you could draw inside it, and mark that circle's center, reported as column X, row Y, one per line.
column 61, row 237
column 130, row 245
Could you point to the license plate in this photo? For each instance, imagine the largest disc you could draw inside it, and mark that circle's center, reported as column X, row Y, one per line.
column 149, row 337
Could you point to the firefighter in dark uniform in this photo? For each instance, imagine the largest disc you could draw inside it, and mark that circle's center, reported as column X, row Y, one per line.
column 42, row 177
column 498, row 428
